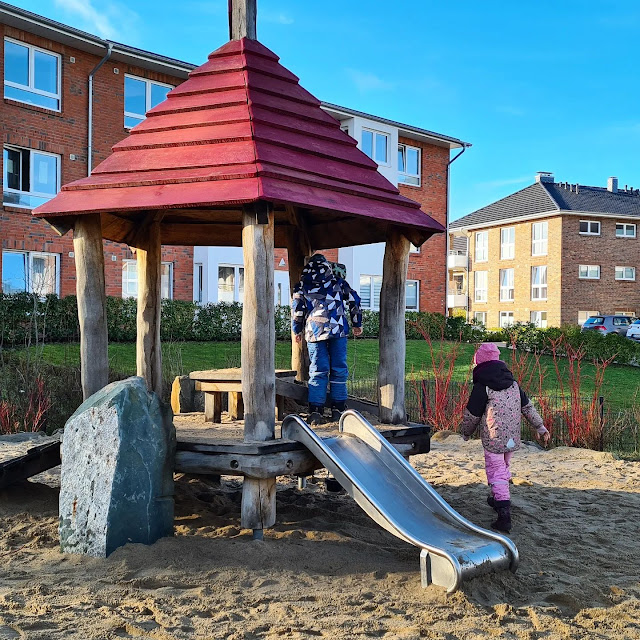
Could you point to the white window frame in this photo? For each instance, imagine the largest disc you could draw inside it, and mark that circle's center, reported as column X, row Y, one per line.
column 508, row 288
column 590, row 232
column 30, row 256
column 505, row 315
column 625, row 226
column 538, row 288
column 588, row 268
column 32, row 70
column 417, row 307
column 540, row 246
column 375, row 133
column 624, row 275
column 236, row 281
column 48, row 196
column 127, row 262
column 484, row 246
column 405, row 174
column 507, row 247
column 587, row 315
column 536, row 318
column 372, row 297
column 147, row 98
column 482, row 321
column 478, row 289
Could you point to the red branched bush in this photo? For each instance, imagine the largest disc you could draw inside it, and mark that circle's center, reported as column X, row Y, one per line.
column 29, row 412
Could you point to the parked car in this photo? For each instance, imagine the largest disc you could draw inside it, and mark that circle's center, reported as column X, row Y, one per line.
column 633, row 332
column 608, row 324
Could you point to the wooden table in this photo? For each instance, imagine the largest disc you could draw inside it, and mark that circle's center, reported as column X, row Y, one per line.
column 218, row 381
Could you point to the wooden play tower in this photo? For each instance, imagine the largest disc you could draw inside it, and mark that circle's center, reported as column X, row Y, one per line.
column 238, row 155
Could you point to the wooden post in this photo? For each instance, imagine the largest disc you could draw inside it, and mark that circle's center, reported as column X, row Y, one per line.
column 242, row 19
column 393, row 343
column 148, row 347
column 258, row 358
column 92, row 304
column 298, row 248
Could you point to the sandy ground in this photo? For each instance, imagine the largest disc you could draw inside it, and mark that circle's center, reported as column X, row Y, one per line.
column 326, row 571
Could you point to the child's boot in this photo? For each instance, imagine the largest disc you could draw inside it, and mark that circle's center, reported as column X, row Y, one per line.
column 491, row 501
column 503, row 523
column 337, row 408
column 316, row 414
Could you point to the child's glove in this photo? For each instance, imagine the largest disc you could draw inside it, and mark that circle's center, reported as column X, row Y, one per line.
column 543, row 434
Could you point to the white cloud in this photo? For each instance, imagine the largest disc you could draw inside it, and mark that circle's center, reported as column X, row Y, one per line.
column 366, row 81
column 103, row 21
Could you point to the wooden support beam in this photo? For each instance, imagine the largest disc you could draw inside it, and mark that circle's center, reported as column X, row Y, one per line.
column 148, row 347
column 213, row 407
column 92, row 304
column 236, row 406
column 258, row 509
column 242, row 19
column 298, row 249
column 393, row 344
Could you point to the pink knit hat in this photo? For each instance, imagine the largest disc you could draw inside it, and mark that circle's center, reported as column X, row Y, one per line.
column 486, row 351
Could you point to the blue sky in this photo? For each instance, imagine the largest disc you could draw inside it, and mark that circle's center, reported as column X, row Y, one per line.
column 534, row 86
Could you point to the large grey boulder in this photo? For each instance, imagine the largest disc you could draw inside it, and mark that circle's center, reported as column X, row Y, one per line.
column 116, row 484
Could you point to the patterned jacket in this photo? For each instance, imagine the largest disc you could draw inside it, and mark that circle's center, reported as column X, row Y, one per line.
column 496, row 405
column 319, row 303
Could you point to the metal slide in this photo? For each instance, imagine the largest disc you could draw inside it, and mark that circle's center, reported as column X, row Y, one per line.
column 396, row 496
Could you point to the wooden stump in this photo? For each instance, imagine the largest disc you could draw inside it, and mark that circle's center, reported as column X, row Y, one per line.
column 148, row 347
column 213, row 406
column 393, row 343
column 92, row 305
column 258, row 358
column 236, row 406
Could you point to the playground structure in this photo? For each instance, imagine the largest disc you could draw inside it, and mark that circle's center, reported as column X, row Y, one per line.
column 241, row 155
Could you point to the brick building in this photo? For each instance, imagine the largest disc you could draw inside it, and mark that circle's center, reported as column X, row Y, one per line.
column 46, row 70
column 552, row 253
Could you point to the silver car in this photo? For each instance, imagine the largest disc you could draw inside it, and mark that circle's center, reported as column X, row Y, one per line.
column 608, row 324
column 634, row 331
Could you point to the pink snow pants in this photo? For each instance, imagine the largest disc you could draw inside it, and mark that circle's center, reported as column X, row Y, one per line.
column 498, row 473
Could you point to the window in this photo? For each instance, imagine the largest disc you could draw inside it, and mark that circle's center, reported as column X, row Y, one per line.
column 230, row 283
column 130, row 279
column 199, row 273
column 376, row 145
column 409, row 165
column 140, row 95
column 481, row 279
column 539, row 238
column 507, row 243
column 480, row 317
column 412, row 299
column 413, row 248
column 625, row 273
column 31, row 75
column 583, row 316
column 30, row 177
column 624, row 230
column 506, row 285
column 506, row 319
column 539, row 318
column 589, row 272
column 589, row 228
column 370, row 287
column 539, row 283
column 33, row 272
column 629, row 314
column 482, row 246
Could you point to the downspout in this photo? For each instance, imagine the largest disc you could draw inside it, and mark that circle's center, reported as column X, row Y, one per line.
column 90, row 131
column 465, row 146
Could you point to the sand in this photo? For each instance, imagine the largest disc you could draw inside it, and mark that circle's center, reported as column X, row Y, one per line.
column 326, row 571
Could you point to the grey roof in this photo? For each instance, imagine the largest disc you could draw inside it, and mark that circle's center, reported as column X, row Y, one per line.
column 544, row 197
column 459, row 243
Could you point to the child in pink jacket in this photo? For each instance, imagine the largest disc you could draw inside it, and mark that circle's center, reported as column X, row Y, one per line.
column 496, row 404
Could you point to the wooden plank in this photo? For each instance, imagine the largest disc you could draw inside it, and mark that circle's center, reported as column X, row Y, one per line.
column 148, row 347
column 258, row 508
column 236, row 406
column 213, row 407
column 36, row 460
column 393, row 343
column 233, row 374
column 92, row 303
column 289, row 389
column 219, row 386
column 280, row 407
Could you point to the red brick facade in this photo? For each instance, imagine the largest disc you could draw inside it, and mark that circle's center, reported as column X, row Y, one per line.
column 65, row 134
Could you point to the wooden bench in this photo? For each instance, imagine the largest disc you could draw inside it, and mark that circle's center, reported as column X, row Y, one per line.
column 215, row 382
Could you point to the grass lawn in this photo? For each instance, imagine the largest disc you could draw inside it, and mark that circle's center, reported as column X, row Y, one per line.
column 621, row 382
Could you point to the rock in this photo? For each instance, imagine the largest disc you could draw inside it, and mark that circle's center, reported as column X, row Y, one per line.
column 116, row 484
column 184, row 397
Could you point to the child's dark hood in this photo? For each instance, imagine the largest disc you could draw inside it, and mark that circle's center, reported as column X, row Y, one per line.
column 493, row 374
column 317, row 273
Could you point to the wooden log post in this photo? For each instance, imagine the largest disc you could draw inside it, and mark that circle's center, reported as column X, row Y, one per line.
column 393, row 343
column 92, row 304
column 258, row 509
column 148, row 347
column 242, row 19
column 298, row 250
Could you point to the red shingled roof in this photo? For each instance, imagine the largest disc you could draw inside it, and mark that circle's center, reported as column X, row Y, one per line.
column 239, row 130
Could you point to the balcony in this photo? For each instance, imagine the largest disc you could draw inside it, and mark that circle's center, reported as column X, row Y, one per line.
column 456, row 300
column 457, row 261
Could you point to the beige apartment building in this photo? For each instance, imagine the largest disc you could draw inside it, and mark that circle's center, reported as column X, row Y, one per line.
column 552, row 253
